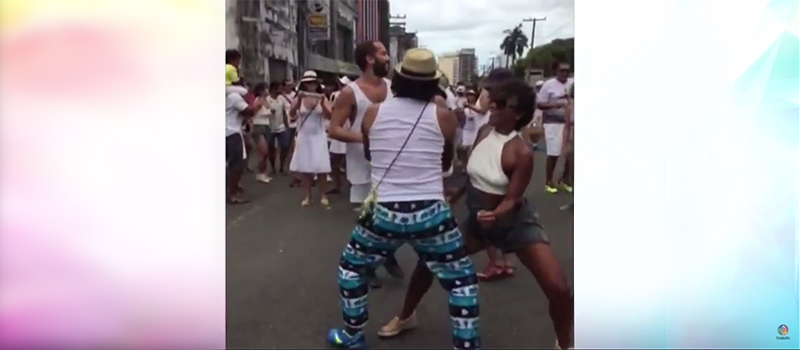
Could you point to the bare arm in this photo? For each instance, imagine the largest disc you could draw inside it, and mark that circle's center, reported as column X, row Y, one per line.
column 366, row 124
column 327, row 108
column 483, row 101
column 295, row 107
column 343, row 108
column 518, row 182
column 448, row 124
column 248, row 110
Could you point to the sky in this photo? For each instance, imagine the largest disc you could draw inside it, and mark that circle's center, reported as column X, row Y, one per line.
column 449, row 25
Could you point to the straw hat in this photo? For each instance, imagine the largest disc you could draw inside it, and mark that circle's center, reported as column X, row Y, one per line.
column 309, row 76
column 419, row 64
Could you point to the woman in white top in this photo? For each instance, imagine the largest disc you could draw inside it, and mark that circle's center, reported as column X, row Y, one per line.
column 499, row 170
column 309, row 110
column 261, row 133
column 497, row 266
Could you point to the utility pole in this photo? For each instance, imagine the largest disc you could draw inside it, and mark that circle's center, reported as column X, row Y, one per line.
column 533, row 28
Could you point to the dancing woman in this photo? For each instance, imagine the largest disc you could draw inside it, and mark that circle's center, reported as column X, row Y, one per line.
column 499, row 170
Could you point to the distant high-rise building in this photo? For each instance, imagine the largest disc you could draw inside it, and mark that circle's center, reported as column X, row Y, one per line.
column 448, row 64
column 467, row 65
column 372, row 22
column 500, row 61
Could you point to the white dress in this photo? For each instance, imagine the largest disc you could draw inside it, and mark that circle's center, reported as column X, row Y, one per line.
column 311, row 147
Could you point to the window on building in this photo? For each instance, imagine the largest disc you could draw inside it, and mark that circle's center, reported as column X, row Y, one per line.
column 320, row 47
column 347, row 41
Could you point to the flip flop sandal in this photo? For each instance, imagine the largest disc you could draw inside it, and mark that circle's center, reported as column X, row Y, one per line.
column 509, row 270
column 491, row 273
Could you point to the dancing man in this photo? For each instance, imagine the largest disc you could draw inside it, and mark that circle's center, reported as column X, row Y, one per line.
column 409, row 140
column 352, row 102
column 499, row 170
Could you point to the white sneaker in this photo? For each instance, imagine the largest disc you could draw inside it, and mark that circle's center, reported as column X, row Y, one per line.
column 263, row 178
column 329, row 179
column 397, row 326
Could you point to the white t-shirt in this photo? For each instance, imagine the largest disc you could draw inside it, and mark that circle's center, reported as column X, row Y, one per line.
column 288, row 99
column 277, row 107
column 234, row 105
column 552, row 90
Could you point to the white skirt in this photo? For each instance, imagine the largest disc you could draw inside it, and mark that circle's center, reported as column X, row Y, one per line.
column 554, row 138
column 311, row 154
column 338, row 147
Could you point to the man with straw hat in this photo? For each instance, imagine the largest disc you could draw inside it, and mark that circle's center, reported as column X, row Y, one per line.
column 409, row 140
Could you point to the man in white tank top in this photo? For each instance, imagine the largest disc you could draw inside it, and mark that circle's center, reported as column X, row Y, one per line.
column 407, row 140
column 350, row 105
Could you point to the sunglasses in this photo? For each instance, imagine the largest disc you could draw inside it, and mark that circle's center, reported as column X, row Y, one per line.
column 502, row 103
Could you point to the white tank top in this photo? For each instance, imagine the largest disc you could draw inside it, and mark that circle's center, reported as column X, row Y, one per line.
column 417, row 172
column 310, row 122
column 485, row 168
column 358, row 168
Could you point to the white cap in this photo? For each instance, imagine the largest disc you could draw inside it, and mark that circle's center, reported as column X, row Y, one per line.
column 540, row 83
column 344, row 80
column 461, row 89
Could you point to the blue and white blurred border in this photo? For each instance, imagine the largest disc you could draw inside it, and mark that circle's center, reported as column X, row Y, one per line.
column 686, row 230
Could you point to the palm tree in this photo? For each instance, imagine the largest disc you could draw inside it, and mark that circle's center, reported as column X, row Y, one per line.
column 514, row 43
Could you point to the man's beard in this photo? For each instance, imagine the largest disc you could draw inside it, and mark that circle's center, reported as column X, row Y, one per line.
column 380, row 69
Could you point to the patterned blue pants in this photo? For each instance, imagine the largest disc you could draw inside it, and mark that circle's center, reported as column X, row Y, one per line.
column 431, row 229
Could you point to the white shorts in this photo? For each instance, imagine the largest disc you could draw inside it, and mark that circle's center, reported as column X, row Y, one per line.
column 554, row 138
column 359, row 193
column 337, row 147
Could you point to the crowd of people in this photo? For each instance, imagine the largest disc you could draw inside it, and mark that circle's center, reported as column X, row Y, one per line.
column 397, row 132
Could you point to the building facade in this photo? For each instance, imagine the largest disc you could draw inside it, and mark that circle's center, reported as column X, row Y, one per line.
column 265, row 32
column 372, row 22
column 448, row 64
column 467, row 66
column 334, row 56
column 400, row 41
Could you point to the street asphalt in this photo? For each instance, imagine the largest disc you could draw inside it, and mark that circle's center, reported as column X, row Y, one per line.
column 281, row 276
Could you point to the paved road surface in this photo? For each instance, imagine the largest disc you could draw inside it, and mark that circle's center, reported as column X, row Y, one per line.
column 281, row 277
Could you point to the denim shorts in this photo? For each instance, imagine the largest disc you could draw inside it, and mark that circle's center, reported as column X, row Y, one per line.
column 260, row 131
column 511, row 233
column 282, row 138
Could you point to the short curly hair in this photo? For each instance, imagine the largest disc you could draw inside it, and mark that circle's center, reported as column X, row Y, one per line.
column 517, row 95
